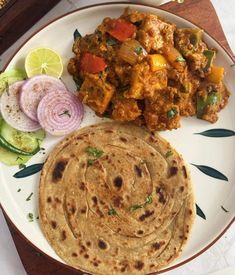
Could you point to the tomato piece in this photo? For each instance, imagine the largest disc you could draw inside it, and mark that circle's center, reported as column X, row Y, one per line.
column 120, row 29
column 91, row 63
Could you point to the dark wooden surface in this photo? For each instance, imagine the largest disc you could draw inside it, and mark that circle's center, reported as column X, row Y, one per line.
column 18, row 17
column 200, row 12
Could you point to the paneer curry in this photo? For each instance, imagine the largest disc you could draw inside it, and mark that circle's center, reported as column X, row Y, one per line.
column 144, row 69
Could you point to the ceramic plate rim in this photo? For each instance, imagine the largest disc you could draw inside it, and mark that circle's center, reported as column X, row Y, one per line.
column 90, row 7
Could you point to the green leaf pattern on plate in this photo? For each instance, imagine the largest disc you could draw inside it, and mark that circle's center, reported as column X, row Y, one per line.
column 217, row 133
column 211, row 172
column 29, row 170
column 200, row 212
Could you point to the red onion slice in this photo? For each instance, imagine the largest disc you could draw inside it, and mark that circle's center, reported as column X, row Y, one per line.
column 60, row 113
column 11, row 112
column 34, row 90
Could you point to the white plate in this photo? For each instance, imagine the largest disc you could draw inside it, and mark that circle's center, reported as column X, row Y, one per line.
column 218, row 153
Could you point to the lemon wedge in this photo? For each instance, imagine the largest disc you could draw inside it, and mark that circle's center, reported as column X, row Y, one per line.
column 43, row 61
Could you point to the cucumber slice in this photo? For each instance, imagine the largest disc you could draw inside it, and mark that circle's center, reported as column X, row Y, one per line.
column 24, row 141
column 9, row 77
column 11, row 159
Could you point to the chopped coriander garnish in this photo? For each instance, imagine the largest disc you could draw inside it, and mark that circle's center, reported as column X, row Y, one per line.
column 66, row 112
column 90, row 162
column 111, row 42
column 29, row 197
column 30, row 217
column 168, row 154
column 233, row 65
column 138, row 50
column 172, row 113
column 180, row 59
column 149, row 199
column 19, row 190
column 112, row 212
column 22, row 166
column 135, row 206
column 92, row 151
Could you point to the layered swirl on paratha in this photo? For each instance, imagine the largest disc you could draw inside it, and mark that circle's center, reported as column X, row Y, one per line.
column 116, row 199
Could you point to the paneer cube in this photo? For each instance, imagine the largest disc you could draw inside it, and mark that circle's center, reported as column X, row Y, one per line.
column 125, row 109
column 96, row 93
column 144, row 82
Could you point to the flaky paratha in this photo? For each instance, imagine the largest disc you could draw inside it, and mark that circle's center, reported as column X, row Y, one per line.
column 116, row 199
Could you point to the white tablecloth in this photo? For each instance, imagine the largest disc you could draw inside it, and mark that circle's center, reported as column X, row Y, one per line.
column 219, row 256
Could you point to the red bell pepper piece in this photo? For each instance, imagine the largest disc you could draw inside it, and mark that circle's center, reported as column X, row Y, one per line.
column 120, row 29
column 91, row 63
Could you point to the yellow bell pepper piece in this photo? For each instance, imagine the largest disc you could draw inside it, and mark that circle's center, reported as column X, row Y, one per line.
column 157, row 62
column 216, row 75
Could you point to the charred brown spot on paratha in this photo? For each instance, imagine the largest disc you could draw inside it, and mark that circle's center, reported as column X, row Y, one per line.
column 151, row 139
column 74, row 254
column 83, row 210
column 88, row 243
column 72, row 209
column 123, row 139
column 157, row 245
column 102, row 244
column 49, row 200
column 160, row 192
column 60, row 166
column 118, row 182
column 182, row 188
column 57, row 200
column 117, row 201
column 173, row 171
column 124, row 265
column 63, row 235
column 82, row 186
column 146, row 215
column 184, row 171
column 53, row 224
column 139, row 265
column 138, row 171
column 99, row 212
column 95, row 200
column 140, row 232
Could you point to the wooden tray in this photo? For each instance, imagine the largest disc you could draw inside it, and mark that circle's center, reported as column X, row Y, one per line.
column 18, row 16
column 197, row 11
